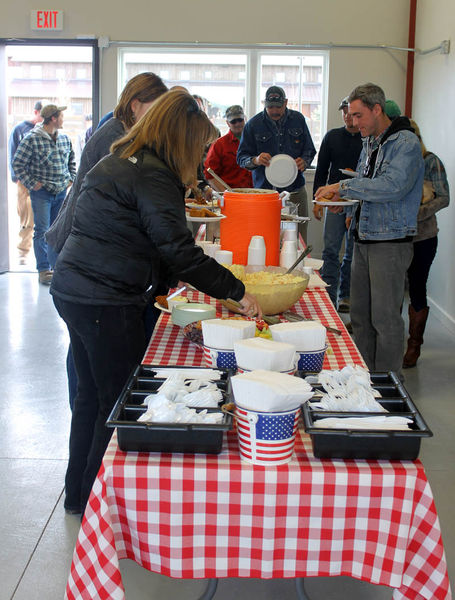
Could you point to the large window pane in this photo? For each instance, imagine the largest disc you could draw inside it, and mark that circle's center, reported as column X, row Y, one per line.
column 61, row 75
column 301, row 77
column 219, row 78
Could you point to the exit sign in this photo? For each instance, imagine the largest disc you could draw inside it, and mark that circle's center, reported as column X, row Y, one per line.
column 46, row 20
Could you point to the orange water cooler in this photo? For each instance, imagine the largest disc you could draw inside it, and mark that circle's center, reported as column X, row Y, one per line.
column 251, row 213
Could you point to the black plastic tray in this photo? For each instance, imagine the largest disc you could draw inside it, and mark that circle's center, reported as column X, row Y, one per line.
column 194, row 438
column 370, row 444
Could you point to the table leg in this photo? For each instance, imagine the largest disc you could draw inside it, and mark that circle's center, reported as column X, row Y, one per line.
column 300, row 589
column 210, row 590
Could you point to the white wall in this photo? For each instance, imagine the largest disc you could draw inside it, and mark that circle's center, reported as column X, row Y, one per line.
column 240, row 22
column 433, row 110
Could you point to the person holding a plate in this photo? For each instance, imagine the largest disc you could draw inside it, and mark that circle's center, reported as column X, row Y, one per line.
column 339, row 151
column 129, row 236
column 278, row 132
column 384, row 221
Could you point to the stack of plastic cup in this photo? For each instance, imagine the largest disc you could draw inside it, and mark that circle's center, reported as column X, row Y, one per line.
column 224, row 257
column 288, row 254
column 256, row 251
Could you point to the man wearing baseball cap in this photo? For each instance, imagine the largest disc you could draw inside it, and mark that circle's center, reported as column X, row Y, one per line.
column 222, row 156
column 278, row 130
column 24, row 205
column 340, row 149
column 44, row 163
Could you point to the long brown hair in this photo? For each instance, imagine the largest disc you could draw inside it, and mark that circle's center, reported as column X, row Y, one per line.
column 176, row 129
column 417, row 132
column 144, row 87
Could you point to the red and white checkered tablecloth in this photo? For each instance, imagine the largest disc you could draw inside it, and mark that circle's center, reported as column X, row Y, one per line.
column 211, row 516
column 168, row 345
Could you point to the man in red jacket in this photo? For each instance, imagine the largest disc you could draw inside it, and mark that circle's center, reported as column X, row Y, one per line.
column 222, row 156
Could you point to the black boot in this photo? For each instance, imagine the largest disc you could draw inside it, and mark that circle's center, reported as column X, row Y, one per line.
column 417, row 322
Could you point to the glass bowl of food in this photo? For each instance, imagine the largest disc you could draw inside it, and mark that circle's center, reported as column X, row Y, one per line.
column 274, row 289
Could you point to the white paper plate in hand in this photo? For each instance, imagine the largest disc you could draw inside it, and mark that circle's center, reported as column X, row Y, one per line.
column 349, row 173
column 335, row 203
column 281, row 171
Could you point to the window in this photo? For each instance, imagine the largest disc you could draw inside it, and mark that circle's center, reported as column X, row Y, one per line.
column 16, row 73
column 81, row 73
column 36, row 71
column 301, row 77
column 214, row 77
column 238, row 76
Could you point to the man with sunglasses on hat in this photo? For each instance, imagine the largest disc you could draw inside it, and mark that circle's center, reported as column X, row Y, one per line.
column 44, row 163
column 222, row 156
column 278, row 130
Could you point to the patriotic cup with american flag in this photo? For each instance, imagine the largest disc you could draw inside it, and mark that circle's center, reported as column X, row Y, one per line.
column 266, row 438
column 221, row 359
column 311, row 360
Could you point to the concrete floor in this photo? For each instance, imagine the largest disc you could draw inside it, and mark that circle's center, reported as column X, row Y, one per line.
column 37, row 536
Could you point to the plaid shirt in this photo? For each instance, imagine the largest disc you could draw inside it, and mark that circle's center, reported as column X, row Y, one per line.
column 39, row 158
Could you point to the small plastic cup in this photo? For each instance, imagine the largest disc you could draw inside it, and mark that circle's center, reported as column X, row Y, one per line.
column 224, row 257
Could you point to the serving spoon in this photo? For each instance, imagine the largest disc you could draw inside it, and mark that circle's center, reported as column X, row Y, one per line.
column 220, row 181
column 307, row 250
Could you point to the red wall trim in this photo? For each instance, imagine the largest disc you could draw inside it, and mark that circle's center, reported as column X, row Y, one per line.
column 410, row 65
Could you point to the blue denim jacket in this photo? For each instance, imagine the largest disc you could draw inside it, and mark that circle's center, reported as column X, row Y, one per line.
column 390, row 200
column 261, row 134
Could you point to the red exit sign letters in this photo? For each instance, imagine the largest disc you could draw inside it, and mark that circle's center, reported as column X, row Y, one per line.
column 46, row 20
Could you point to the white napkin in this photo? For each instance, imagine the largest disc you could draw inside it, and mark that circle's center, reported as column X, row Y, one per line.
column 222, row 333
column 390, row 423
column 304, row 335
column 260, row 353
column 269, row 391
column 316, row 281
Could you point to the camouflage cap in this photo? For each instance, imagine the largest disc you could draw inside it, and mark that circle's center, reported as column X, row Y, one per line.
column 234, row 112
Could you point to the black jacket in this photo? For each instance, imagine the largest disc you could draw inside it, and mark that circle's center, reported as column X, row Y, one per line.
column 129, row 236
column 339, row 150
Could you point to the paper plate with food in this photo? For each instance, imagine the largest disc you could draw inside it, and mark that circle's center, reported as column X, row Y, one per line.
column 327, row 200
column 203, row 214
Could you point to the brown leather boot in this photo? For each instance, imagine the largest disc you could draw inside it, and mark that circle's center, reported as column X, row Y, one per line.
column 417, row 322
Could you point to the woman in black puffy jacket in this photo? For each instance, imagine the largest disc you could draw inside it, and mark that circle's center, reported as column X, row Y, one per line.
column 129, row 236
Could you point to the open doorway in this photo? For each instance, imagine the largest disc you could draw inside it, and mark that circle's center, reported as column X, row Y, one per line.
column 64, row 74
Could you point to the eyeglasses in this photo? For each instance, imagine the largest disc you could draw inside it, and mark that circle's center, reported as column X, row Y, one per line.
column 234, row 121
